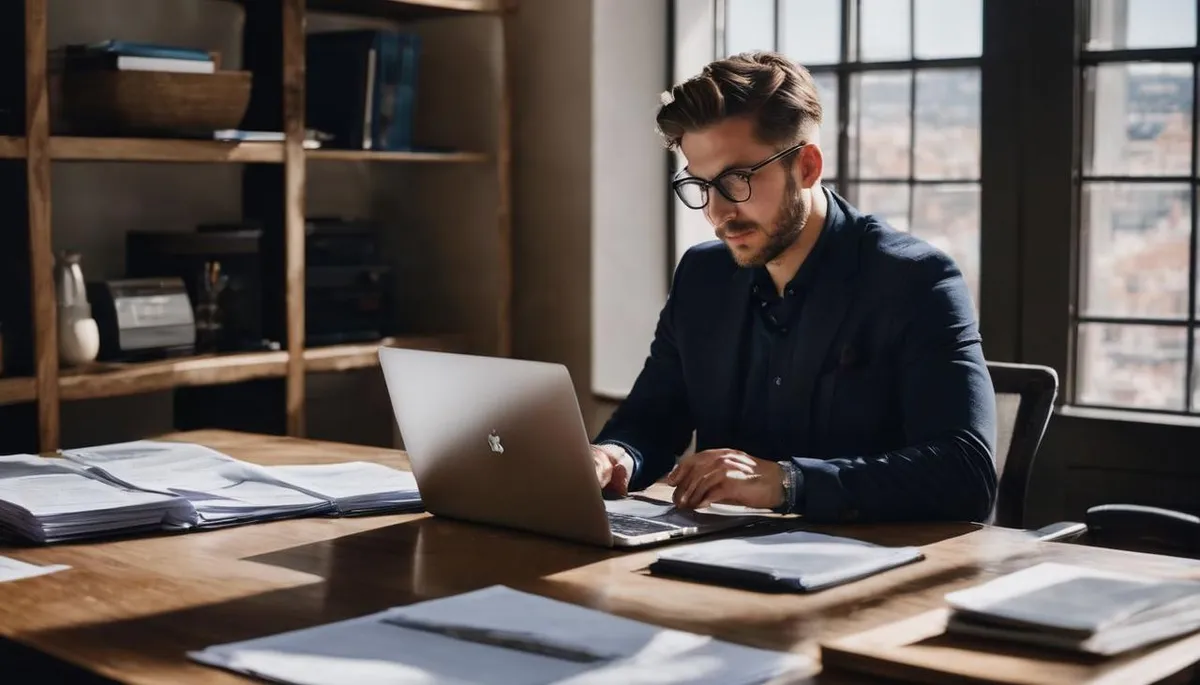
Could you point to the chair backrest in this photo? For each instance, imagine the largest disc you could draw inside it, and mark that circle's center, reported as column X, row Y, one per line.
column 1141, row 528
column 1025, row 396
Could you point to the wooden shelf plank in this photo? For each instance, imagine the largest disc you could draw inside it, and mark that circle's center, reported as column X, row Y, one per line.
column 18, row 389
column 366, row 355
column 66, row 148
column 369, row 156
column 106, row 379
column 114, row 380
column 12, row 147
column 411, row 9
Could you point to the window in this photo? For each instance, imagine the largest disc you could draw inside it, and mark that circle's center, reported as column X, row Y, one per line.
column 1135, row 332
column 901, row 95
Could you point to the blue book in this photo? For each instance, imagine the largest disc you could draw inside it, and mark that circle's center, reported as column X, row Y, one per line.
column 132, row 49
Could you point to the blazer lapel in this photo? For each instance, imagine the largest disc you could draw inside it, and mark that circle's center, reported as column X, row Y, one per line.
column 825, row 308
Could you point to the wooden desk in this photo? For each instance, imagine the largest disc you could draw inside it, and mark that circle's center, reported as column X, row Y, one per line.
column 129, row 610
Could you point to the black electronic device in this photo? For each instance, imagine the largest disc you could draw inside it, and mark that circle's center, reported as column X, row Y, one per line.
column 142, row 318
column 348, row 290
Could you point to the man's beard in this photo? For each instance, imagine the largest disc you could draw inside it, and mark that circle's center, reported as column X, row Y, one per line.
column 793, row 215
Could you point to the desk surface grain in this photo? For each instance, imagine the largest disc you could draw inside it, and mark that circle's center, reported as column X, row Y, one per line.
column 130, row 609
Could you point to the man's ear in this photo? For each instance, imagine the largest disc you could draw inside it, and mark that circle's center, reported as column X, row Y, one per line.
column 809, row 164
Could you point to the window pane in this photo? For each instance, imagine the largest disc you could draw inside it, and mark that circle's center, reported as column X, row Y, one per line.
column 749, row 25
column 1128, row 24
column 812, row 30
column 947, row 121
column 1141, row 367
column 1135, row 243
column 883, row 30
column 690, row 225
column 947, row 216
column 1138, row 119
column 879, row 126
column 888, row 201
column 827, row 90
column 948, row 28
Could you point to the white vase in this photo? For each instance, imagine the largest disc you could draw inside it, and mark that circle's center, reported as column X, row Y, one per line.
column 78, row 339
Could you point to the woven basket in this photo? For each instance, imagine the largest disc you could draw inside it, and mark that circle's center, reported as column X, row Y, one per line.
column 103, row 102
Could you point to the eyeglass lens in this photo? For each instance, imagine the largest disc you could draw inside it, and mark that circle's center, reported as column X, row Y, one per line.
column 735, row 188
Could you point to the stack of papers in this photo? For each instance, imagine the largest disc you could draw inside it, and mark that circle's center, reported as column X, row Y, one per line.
column 222, row 490
column 792, row 561
column 49, row 500
column 355, row 488
column 497, row 635
column 1077, row 608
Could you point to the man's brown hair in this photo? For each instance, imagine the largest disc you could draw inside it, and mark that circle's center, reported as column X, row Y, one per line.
column 779, row 94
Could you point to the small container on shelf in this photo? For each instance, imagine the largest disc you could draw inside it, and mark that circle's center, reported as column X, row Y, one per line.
column 131, row 89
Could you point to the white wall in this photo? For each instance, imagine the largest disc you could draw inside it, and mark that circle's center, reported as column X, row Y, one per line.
column 629, row 188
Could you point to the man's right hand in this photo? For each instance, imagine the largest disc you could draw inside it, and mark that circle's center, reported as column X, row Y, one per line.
column 614, row 468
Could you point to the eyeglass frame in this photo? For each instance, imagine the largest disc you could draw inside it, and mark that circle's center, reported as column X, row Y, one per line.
column 715, row 182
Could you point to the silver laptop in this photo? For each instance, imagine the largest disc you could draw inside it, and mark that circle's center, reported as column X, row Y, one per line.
column 502, row 441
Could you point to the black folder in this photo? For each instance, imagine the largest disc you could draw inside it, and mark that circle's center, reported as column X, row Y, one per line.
column 796, row 561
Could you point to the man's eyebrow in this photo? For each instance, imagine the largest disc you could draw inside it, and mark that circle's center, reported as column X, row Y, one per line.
column 688, row 171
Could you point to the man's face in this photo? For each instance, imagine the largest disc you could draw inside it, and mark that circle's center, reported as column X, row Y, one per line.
column 760, row 229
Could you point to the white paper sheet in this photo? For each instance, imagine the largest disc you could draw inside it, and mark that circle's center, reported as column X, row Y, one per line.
column 15, row 569
column 368, row 650
column 222, row 489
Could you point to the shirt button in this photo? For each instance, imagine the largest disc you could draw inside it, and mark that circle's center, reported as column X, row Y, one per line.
column 778, row 380
column 791, row 292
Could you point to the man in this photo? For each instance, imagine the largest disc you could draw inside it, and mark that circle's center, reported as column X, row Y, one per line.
column 829, row 365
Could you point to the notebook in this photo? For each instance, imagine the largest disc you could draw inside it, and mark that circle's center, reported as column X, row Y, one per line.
column 500, row 636
column 796, row 561
column 1077, row 608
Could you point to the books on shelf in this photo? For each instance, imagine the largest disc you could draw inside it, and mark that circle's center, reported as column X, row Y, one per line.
column 133, row 56
column 497, row 635
column 148, row 485
column 797, row 561
column 1077, row 608
column 362, row 87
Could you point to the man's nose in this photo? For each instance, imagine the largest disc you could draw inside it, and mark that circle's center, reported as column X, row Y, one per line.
column 719, row 210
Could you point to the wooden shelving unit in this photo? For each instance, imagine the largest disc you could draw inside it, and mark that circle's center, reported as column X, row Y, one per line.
column 276, row 56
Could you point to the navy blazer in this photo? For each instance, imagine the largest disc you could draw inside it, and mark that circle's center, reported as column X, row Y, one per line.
column 894, row 406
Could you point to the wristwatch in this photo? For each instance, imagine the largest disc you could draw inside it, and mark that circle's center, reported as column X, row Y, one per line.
column 789, row 488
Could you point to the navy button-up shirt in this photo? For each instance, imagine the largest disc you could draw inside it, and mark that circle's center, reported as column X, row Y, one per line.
column 767, row 411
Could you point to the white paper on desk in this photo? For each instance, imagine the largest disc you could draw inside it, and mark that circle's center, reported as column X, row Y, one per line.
column 222, row 489
column 355, row 487
column 367, row 650
column 51, row 500
column 15, row 569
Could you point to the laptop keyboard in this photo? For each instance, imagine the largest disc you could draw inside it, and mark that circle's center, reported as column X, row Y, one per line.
column 624, row 524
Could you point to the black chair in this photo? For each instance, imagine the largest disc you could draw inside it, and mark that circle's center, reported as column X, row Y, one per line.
column 1025, row 396
column 1141, row 528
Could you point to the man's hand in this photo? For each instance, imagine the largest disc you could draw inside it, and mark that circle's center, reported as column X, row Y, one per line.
column 726, row 477
column 614, row 468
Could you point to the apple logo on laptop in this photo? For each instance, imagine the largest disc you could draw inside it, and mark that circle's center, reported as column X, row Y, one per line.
column 494, row 443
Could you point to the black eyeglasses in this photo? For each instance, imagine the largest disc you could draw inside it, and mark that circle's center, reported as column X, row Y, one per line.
column 733, row 184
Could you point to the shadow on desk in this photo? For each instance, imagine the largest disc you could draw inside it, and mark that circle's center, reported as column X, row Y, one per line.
column 342, row 576
column 363, row 572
